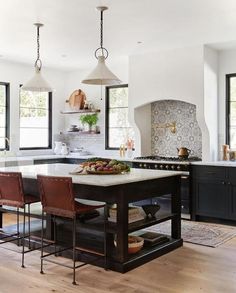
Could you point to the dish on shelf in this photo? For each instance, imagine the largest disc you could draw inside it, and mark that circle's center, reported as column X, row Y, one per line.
column 151, row 209
column 135, row 244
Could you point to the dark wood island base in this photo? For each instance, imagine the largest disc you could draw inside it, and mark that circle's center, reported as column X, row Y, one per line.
column 122, row 195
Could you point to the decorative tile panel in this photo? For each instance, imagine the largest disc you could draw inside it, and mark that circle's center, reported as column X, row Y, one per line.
column 188, row 133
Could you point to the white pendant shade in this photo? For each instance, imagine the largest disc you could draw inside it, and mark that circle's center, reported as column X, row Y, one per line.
column 101, row 75
column 37, row 83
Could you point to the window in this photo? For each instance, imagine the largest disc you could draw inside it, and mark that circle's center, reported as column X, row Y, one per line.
column 118, row 128
column 231, row 110
column 35, row 120
column 4, row 115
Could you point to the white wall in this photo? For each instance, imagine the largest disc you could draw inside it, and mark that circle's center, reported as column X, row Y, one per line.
column 173, row 74
column 17, row 74
column 93, row 143
column 211, row 98
column 227, row 65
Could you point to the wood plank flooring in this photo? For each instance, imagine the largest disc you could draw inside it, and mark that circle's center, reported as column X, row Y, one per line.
column 189, row 269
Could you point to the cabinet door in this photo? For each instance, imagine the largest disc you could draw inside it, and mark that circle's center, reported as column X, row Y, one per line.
column 211, row 198
column 232, row 193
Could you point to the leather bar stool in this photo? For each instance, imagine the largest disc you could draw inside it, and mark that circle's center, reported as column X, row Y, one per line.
column 12, row 195
column 58, row 199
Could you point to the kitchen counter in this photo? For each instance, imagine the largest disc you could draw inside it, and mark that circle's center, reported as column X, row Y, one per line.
column 216, row 163
column 135, row 175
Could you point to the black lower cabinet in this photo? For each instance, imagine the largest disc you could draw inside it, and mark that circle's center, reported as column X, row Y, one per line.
column 49, row 161
column 214, row 192
column 211, row 198
column 232, row 194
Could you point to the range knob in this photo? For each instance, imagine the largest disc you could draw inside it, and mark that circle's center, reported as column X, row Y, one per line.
column 144, row 165
column 155, row 166
column 178, row 167
column 173, row 167
column 167, row 167
column 140, row 165
column 161, row 166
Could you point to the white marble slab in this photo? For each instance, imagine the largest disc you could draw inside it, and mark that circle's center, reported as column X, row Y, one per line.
column 135, row 175
column 216, row 163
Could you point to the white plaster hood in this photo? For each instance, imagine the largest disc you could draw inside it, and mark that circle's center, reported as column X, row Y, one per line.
column 181, row 74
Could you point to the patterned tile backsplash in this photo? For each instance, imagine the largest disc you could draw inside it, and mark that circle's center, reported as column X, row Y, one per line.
column 188, row 133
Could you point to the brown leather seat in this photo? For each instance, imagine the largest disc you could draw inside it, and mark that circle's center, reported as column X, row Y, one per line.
column 58, row 199
column 12, row 194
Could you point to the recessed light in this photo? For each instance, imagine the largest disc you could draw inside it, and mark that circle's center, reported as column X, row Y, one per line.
column 139, row 42
column 63, row 55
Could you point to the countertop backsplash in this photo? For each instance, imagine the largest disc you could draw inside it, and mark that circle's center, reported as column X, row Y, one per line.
column 188, row 133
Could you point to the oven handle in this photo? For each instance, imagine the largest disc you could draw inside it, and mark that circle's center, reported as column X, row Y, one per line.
column 184, row 177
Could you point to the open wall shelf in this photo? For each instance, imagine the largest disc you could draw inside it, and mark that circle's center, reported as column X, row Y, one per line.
column 81, row 111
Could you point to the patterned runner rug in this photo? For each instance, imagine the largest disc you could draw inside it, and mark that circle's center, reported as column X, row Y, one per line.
column 200, row 233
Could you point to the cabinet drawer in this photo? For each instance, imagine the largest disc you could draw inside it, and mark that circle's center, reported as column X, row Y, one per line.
column 209, row 172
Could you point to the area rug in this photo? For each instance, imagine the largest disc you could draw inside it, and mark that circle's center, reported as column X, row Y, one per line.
column 200, row 233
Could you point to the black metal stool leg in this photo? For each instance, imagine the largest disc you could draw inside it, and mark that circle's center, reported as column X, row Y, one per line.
column 74, row 244
column 18, row 229
column 41, row 270
column 23, row 241
column 29, row 225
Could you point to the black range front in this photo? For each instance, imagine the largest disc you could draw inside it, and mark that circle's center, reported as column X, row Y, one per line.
column 165, row 201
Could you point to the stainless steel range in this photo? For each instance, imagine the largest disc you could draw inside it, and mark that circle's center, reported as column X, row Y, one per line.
column 173, row 164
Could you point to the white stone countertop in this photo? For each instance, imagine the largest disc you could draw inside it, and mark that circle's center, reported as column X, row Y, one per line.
column 135, row 175
column 53, row 156
column 216, row 163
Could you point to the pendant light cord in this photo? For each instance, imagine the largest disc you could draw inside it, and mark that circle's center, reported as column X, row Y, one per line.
column 103, row 50
column 101, row 32
column 38, row 62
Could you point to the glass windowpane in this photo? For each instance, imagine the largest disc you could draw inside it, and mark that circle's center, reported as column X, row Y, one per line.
column 33, row 99
column 118, row 136
column 118, row 97
column 118, row 117
column 2, row 95
column 233, row 88
column 34, row 119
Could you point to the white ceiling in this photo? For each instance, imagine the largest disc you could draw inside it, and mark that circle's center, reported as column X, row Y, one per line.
column 72, row 28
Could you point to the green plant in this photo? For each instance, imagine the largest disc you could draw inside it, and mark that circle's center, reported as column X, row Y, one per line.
column 90, row 119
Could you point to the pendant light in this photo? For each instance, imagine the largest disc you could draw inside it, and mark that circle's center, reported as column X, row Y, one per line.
column 37, row 83
column 101, row 75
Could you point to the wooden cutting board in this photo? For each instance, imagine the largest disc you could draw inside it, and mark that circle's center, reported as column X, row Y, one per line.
column 77, row 100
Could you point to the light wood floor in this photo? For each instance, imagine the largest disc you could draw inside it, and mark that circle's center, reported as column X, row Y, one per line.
column 189, row 269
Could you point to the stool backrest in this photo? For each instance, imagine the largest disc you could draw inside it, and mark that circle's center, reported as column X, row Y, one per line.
column 11, row 189
column 57, row 195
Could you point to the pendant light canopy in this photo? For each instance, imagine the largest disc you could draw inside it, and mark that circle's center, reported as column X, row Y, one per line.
column 37, row 83
column 101, row 75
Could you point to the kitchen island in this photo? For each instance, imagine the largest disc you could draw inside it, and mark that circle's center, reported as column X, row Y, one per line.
column 122, row 190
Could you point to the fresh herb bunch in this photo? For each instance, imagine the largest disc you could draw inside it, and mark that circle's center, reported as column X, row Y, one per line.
column 90, row 119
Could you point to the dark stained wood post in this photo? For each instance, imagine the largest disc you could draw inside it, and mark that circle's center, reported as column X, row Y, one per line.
column 122, row 227
column 176, row 209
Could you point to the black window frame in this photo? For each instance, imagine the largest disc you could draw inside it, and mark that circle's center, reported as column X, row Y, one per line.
column 7, row 118
column 107, row 115
column 49, row 125
column 227, row 107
